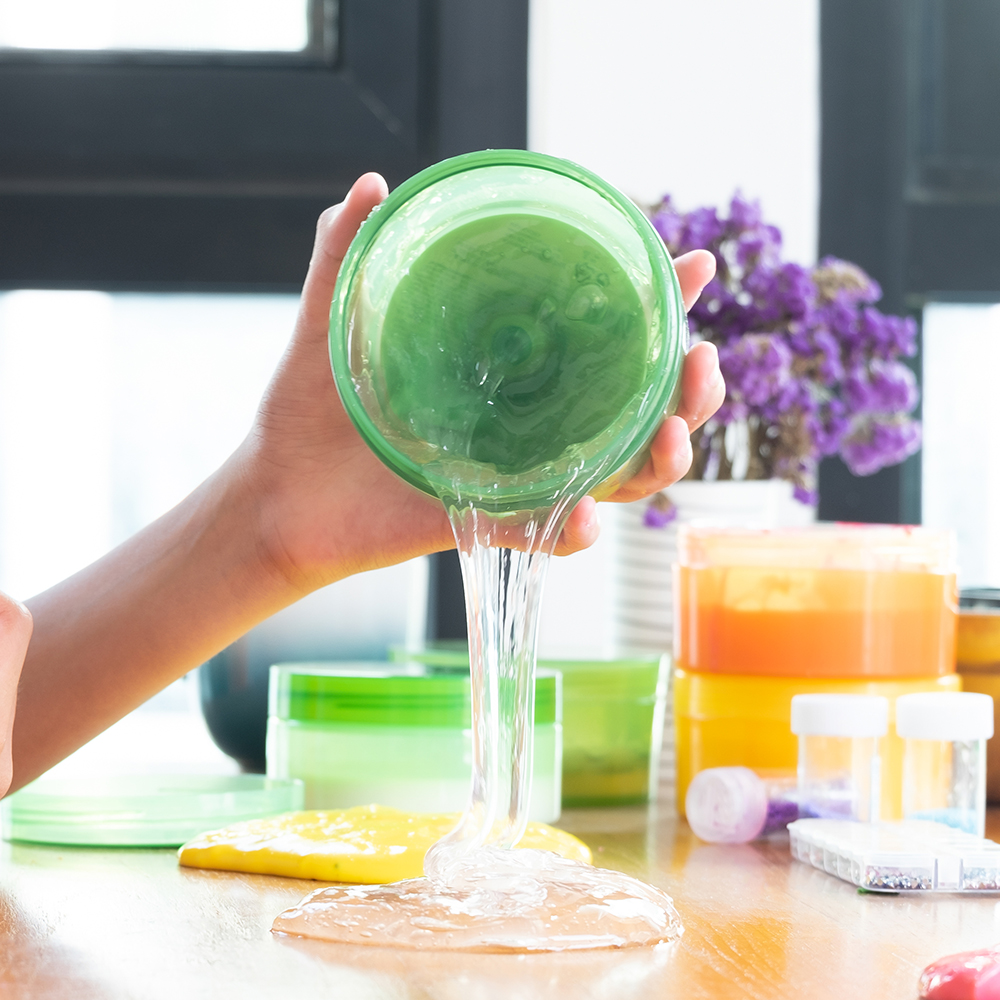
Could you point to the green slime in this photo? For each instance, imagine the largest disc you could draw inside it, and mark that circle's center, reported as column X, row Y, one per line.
column 511, row 339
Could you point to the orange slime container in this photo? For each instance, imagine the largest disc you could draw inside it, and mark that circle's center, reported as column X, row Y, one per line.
column 830, row 600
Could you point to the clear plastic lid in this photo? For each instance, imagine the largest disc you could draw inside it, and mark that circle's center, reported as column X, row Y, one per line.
column 141, row 810
column 868, row 547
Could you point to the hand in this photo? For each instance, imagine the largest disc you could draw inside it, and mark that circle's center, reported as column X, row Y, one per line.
column 15, row 631
column 329, row 508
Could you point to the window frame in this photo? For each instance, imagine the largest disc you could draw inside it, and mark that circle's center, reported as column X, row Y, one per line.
column 124, row 174
column 887, row 203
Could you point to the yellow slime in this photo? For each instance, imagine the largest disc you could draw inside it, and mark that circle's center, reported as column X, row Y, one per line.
column 369, row 844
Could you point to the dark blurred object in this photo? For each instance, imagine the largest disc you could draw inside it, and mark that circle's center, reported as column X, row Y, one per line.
column 234, row 703
column 355, row 619
column 980, row 598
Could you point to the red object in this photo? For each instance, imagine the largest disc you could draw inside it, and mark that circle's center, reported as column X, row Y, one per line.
column 971, row 975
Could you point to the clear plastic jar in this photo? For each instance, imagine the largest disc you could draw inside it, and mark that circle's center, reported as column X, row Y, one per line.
column 944, row 757
column 839, row 769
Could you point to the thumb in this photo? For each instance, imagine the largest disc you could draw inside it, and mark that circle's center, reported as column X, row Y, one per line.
column 334, row 232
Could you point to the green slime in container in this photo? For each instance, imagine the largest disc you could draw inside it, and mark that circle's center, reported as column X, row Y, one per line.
column 512, row 338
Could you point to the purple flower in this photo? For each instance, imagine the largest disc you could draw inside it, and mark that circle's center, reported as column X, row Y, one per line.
column 660, row 511
column 876, row 443
column 812, row 368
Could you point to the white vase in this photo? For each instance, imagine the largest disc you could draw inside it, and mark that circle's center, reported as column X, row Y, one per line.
column 645, row 556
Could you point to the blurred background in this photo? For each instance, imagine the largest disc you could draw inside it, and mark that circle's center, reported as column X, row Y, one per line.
column 162, row 166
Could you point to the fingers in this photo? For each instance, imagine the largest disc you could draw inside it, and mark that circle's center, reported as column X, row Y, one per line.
column 702, row 392
column 694, row 271
column 15, row 631
column 669, row 459
column 334, row 232
column 702, row 386
column 581, row 528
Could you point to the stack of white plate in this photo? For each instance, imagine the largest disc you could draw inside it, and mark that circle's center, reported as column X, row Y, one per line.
column 644, row 589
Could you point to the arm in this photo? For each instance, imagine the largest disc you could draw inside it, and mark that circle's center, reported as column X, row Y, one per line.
column 300, row 504
column 15, row 631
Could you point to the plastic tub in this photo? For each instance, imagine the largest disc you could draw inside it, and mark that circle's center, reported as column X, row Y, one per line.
column 505, row 321
column 613, row 711
column 361, row 734
column 829, row 600
column 727, row 720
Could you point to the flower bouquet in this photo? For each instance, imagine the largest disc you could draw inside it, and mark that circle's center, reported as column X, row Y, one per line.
column 812, row 368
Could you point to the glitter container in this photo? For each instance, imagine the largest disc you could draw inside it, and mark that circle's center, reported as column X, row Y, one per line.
column 944, row 760
column 358, row 734
column 732, row 805
column 839, row 769
column 907, row 856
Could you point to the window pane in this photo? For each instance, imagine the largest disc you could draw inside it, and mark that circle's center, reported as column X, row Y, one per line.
column 961, row 452
column 161, row 25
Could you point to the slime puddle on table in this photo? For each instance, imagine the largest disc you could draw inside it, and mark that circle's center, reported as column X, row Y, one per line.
column 525, row 378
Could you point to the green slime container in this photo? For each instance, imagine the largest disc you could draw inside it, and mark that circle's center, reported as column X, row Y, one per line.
column 613, row 710
column 504, row 323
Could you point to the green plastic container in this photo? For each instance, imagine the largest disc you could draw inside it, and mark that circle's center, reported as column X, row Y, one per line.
column 140, row 810
column 507, row 321
column 613, row 709
column 358, row 734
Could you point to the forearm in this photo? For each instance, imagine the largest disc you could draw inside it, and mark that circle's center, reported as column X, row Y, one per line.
column 118, row 631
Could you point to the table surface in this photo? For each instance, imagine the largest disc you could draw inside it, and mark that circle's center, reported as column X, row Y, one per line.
column 124, row 923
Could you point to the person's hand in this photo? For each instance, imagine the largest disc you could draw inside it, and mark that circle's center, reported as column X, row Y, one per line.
column 328, row 507
column 15, row 631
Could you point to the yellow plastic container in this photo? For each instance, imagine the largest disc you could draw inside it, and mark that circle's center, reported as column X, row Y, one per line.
column 979, row 667
column 726, row 720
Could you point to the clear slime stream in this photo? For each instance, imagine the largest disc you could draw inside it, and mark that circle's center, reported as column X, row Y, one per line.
column 502, row 384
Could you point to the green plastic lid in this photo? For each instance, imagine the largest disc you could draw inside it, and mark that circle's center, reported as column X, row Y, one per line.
column 380, row 695
column 141, row 810
column 623, row 676
column 506, row 322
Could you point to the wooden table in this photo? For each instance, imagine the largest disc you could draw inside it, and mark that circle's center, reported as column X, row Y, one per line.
column 86, row 924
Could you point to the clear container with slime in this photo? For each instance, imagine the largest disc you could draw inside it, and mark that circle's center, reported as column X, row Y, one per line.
column 944, row 761
column 839, row 772
column 504, row 324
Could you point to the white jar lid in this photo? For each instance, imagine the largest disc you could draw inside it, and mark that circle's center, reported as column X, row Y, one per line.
column 945, row 715
column 840, row 715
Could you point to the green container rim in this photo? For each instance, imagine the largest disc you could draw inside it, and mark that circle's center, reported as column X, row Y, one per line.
column 382, row 695
column 632, row 675
column 141, row 810
column 664, row 277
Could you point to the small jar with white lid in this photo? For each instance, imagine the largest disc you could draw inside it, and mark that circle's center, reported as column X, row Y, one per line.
column 839, row 770
column 944, row 757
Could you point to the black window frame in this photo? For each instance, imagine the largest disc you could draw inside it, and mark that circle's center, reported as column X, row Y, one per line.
column 898, row 194
column 128, row 172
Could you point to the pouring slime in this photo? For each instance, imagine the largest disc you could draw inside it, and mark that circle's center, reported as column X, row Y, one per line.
column 507, row 333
